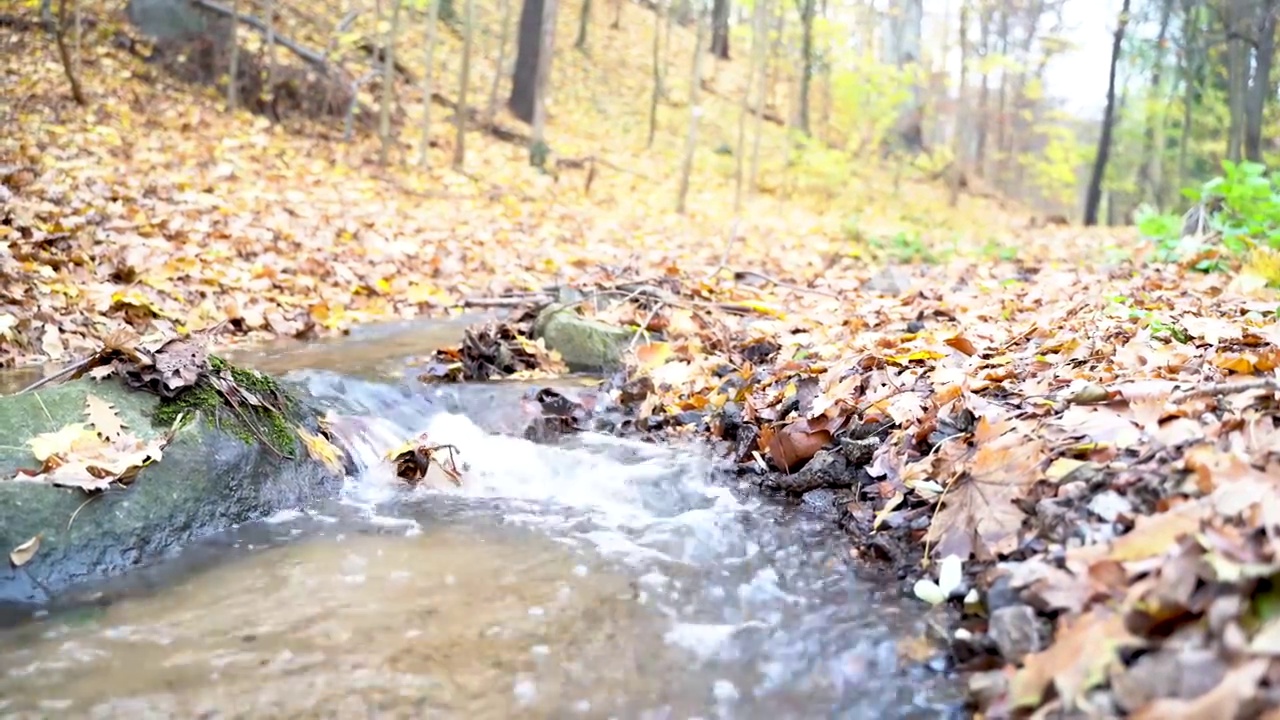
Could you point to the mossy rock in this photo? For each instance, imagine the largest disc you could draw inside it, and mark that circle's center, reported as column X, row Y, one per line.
column 586, row 345
column 214, row 474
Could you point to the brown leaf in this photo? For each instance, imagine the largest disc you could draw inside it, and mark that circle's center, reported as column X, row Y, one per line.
column 22, row 554
column 102, row 416
column 1076, row 662
column 1223, row 701
column 982, row 506
column 796, row 442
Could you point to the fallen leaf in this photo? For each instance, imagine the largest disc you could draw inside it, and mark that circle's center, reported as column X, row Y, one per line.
column 22, row 554
column 1076, row 662
column 1224, row 701
column 103, row 418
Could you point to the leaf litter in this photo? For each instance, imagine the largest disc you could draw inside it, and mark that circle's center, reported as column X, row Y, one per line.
column 978, row 408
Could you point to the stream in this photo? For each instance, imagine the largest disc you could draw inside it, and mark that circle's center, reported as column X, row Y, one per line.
column 597, row 578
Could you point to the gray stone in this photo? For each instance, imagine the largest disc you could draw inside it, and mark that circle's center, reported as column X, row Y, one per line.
column 167, row 19
column 586, row 345
column 210, row 478
column 1017, row 632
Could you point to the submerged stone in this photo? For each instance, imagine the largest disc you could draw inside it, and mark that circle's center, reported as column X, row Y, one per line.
column 215, row 473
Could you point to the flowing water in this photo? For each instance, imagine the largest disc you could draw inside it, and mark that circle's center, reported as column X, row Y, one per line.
column 598, row 578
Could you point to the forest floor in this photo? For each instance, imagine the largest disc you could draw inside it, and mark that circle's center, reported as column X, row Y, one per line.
column 1088, row 436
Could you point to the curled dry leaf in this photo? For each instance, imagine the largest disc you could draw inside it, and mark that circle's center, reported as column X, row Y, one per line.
column 22, row 554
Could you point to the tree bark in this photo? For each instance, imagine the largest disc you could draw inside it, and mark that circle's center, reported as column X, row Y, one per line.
column 388, row 83
column 984, row 98
column 528, row 51
column 433, row 18
column 538, row 150
column 1093, row 196
column 757, row 49
column 1260, row 87
column 695, row 112
column 77, row 92
column 960, row 146
column 504, row 39
column 808, row 9
column 720, row 11
column 233, row 65
column 1237, row 77
column 464, row 84
column 584, row 20
column 657, row 73
column 1152, row 153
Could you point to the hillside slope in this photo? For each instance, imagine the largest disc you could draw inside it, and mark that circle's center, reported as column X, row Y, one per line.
column 155, row 207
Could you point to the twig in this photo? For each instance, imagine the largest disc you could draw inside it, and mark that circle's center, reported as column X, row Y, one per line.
column 514, row 301
column 1226, row 388
column 86, row 502
column 782, row 283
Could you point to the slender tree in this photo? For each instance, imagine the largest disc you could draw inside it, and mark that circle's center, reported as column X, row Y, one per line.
column 233, row 65
column 584, row 21
column 464, row 84
column 657, row 73
column 1093, row 196
column 77, row 92
column 388, row 83
column 808, row 10
column 757, row 52
column 695, row 112
column 428, row 71
column 538, row 150
column 504, row 38
column 529, row 51
column 720, row 11
column 1261, row 87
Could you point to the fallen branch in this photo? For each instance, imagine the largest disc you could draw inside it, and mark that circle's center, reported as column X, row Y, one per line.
column 1226, row 388
column 506, row 301
column 314, row 58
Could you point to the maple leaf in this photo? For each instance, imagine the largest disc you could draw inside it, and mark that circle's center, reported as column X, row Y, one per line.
column 979, row 513
column 1076, row 662
column 102, row 416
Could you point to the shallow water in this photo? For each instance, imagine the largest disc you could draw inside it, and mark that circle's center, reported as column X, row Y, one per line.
column 598, row 578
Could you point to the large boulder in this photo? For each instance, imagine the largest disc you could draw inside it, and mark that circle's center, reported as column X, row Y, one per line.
column 217, row 471
column 586, row 345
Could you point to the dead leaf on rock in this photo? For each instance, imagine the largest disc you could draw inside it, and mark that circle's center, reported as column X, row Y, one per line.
column 22, row 554
column 102, row 416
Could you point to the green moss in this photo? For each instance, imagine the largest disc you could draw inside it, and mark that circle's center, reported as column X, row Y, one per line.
column 271, row 426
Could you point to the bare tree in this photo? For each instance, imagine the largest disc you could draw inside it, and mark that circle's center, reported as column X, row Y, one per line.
column 270, row 12
column 657, row 73
column 753, row 79
column 695, row 112
column 1261, row 88
column 720, row 11
column 529, row 51
column 64, row 54
column 762, row 59
column 233, row 66
column 388, row 83
column 504, row 37
column 584, row 22
column 538, row 150
column 433, row 20
column 1093, row 196
column 808, row 9
column 464, row 83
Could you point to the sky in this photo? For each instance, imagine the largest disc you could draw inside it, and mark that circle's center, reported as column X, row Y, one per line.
column 1079, row 76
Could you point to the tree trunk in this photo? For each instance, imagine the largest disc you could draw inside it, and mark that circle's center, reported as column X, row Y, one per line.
column 1190, row 40
column 233, row 65
column 984, row 98
column 584, row 20
column 77, row 92
column 528, row 51
column 1237, row 76
column 433, row 17
column 657, row 73
column 388, row 83
column 1093, row 196
column 464, row 85
column 767, row 69
column 691, row 141
column 1152, row 153
column 1260, row 88
column 960, row 144
column 269, row 13
column 504, row 38
column 808, row 9
column 1002, row 118
column 720, row 10
column 757, row 49
column 538, row 150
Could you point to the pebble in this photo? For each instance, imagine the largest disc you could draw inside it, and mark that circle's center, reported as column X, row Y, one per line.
column 1017, row 632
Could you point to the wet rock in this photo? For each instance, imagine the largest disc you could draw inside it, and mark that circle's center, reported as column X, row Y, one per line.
column 211, row 477
column 824, row 501
column 826, row 469
column 1017, row 632
column 1002, row 594
column 1185, row 674
column 586, row 345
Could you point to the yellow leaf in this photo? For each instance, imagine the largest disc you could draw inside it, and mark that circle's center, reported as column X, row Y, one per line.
column 321, row 449
column 103, row 417
column 63, row 441
column 653, row 354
